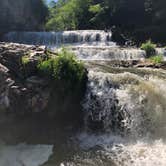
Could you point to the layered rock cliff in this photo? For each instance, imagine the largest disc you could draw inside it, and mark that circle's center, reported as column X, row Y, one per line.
column 21, row 89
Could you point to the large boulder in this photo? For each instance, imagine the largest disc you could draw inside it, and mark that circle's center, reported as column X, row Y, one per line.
column 32, row 97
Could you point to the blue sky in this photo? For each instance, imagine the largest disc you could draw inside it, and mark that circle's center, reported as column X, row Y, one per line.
column 50, row 1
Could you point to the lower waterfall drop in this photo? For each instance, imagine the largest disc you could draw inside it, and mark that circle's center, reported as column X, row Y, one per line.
column 129, row 111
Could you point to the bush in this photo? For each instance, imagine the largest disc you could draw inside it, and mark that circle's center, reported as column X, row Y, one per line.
column 46, row 67
column 64, row 68
column 25, row 59
column 67, row 77
column 157, row 59
column 149, row 48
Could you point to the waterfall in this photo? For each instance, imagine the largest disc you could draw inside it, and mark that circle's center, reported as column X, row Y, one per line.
column 108, row 53
column 127, row 109
column 91, row 37
column 124, row 108
column 86, row 44
column 102, row 106
column 125, row 102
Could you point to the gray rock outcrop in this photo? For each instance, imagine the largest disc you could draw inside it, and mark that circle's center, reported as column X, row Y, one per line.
column 21, row 90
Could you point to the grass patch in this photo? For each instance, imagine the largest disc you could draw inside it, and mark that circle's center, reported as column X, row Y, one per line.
column 149, row 48
column 25, row 60
column 157, row 59
column 63, row 68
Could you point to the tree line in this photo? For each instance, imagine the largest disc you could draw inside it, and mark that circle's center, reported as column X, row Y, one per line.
column 139, row 19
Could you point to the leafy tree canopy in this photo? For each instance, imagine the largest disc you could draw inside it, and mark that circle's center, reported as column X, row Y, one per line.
column 143, row 18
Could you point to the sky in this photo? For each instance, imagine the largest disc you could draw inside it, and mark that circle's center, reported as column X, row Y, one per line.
column 48, row 1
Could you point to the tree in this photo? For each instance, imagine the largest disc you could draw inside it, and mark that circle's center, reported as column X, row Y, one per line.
column 68, row 15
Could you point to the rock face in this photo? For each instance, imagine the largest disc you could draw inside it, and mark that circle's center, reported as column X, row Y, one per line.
column 21, row 90
column 11, row 56
column 4, row 101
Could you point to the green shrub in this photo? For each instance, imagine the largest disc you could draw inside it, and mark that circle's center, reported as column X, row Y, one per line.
column 67, row 77
column 46, row 67
column 157, row 59
column 64, row 68
column 149, row 48
column 25, row 60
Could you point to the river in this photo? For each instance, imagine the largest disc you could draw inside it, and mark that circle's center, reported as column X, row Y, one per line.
column 125, row 111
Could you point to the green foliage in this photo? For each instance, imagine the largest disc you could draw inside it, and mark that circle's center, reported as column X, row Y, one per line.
column 64, row 70
column 149, row 48
column 68, row 69
column 67, row 15
column 25, row 60
column 46, row 67
column 67, row 77
column 95, row 8
column 139, row 19
column 157, row 59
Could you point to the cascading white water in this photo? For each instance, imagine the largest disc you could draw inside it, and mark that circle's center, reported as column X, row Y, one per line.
column 102, row 105
column 91, row 37
column 86, row 44
column 132, row 110
column 108, row 53
column 129, row 97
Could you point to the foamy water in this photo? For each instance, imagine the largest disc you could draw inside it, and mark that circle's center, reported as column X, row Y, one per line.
column 126, row 152
column 86, row 44
column 90, row 37
column 141, row 154
column 24, row 155
column 142, row 98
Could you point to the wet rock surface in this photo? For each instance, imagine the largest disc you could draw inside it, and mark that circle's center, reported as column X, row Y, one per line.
column 11, row 56
column 3, row 86
column 21, row 90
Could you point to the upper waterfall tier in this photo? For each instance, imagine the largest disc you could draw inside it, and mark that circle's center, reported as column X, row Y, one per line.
column 86, row 44
column 90, row 37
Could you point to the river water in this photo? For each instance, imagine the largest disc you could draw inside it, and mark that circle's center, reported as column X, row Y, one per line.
column 124, row 108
